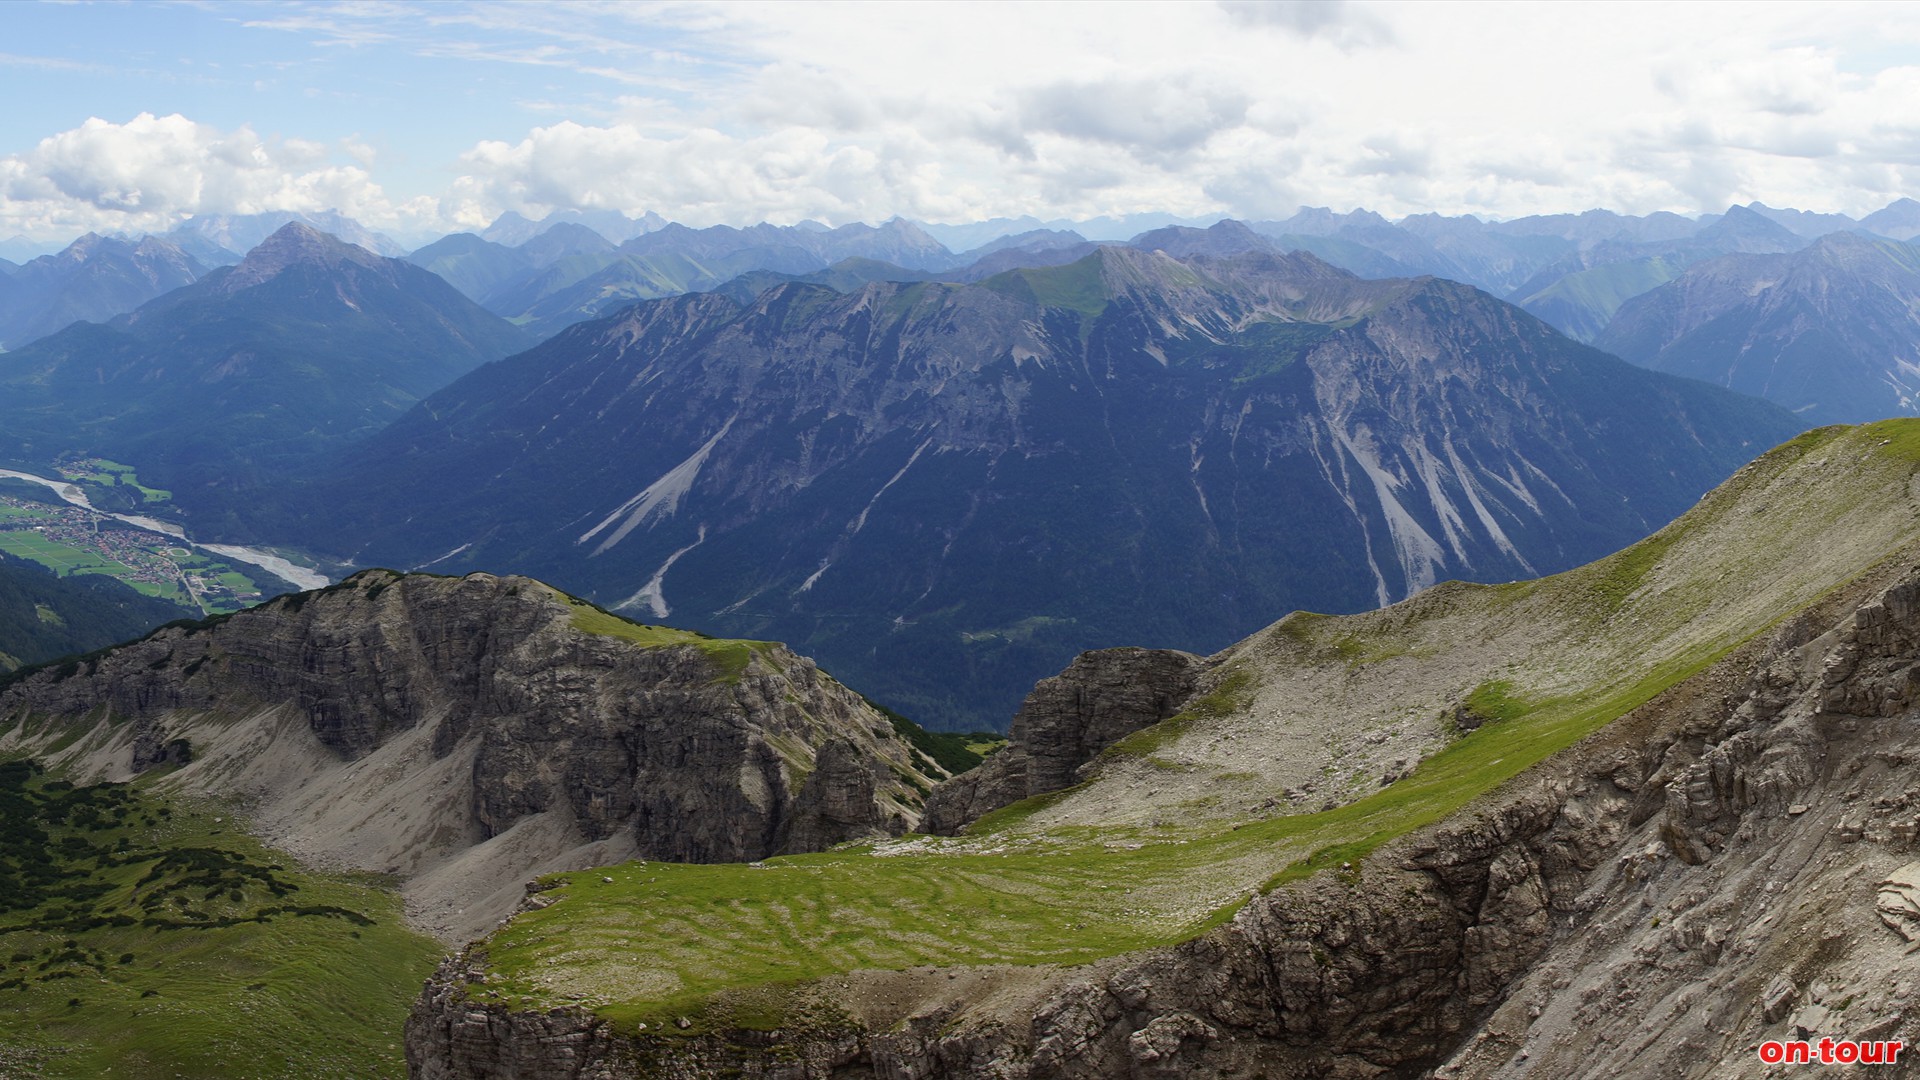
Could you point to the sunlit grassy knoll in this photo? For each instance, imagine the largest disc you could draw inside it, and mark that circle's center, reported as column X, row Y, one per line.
column 730, row 656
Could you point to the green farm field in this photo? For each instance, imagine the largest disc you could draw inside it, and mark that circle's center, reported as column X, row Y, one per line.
column 114, row 474
column 158, row 574
column 62, row 558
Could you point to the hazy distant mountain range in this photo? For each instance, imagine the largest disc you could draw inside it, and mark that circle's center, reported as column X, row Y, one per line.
column 93, row 280
column 569, row 272
column 1830, row 331
column 1574, row 271
column 305, row 344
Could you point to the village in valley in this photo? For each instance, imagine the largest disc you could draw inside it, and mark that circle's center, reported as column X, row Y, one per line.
column 36, row 526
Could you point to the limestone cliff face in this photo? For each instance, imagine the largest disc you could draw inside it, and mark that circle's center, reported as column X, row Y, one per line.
column 1101, row 698
column 464, row 732
column 1729, row 863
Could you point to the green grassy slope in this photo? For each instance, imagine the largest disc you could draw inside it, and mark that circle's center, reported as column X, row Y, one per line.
column 148, row 936
column 1583, row 302
column 1148, row 852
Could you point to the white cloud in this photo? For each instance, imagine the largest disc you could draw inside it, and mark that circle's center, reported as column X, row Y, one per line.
column 1246, row 109
column 1337, row 21
column 704, row 175
column 150, row 172
column 1147, row 117
column 743, row 112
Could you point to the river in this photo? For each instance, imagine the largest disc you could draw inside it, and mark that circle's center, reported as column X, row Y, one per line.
column 273, row 564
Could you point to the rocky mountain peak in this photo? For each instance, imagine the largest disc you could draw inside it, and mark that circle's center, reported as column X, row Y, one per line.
column 899, row 228
column 1899, row 219
column 295, row 244
column 1855, row 249
column 1823, row 329
column 154, row 246
column 1223, row 237
column 1743, row 229
column 565, row 238
column 85, row 247
column 92, row 280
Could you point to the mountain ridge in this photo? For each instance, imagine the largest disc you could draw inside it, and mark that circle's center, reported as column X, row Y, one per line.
column 1127, row 426
column 461, row 732
column 306, row 343
column 1827, row 330
column 92, row 280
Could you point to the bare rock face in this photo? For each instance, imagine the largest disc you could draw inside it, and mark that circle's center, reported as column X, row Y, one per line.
column 400, row 723
column 1898, row 902
column 1729, row 863
column 564, row 1045
column 1101, row 698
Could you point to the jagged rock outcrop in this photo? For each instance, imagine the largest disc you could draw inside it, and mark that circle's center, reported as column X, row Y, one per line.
column 1711, row 870
column 1101, row 698
column 405, row 723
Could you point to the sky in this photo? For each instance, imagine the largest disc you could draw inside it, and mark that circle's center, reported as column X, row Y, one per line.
column 424, row 118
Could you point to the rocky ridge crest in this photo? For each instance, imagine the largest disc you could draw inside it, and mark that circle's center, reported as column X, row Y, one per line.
column 1102, row 697
column 465, row 732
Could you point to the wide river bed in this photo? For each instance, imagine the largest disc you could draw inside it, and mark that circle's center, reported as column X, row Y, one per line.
column 265, row 560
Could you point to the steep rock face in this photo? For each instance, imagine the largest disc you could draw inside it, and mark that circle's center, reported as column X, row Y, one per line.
column 1066, row 721
column 946, row 492
column 406, row 723
column 1729, row 863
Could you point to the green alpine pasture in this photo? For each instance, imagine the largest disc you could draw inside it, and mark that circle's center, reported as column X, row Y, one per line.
column 159, row 578
column 145, row 935
column 660, row 940
column 110, row 474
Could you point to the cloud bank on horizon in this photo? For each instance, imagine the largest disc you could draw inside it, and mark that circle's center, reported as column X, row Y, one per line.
column 425, row 118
